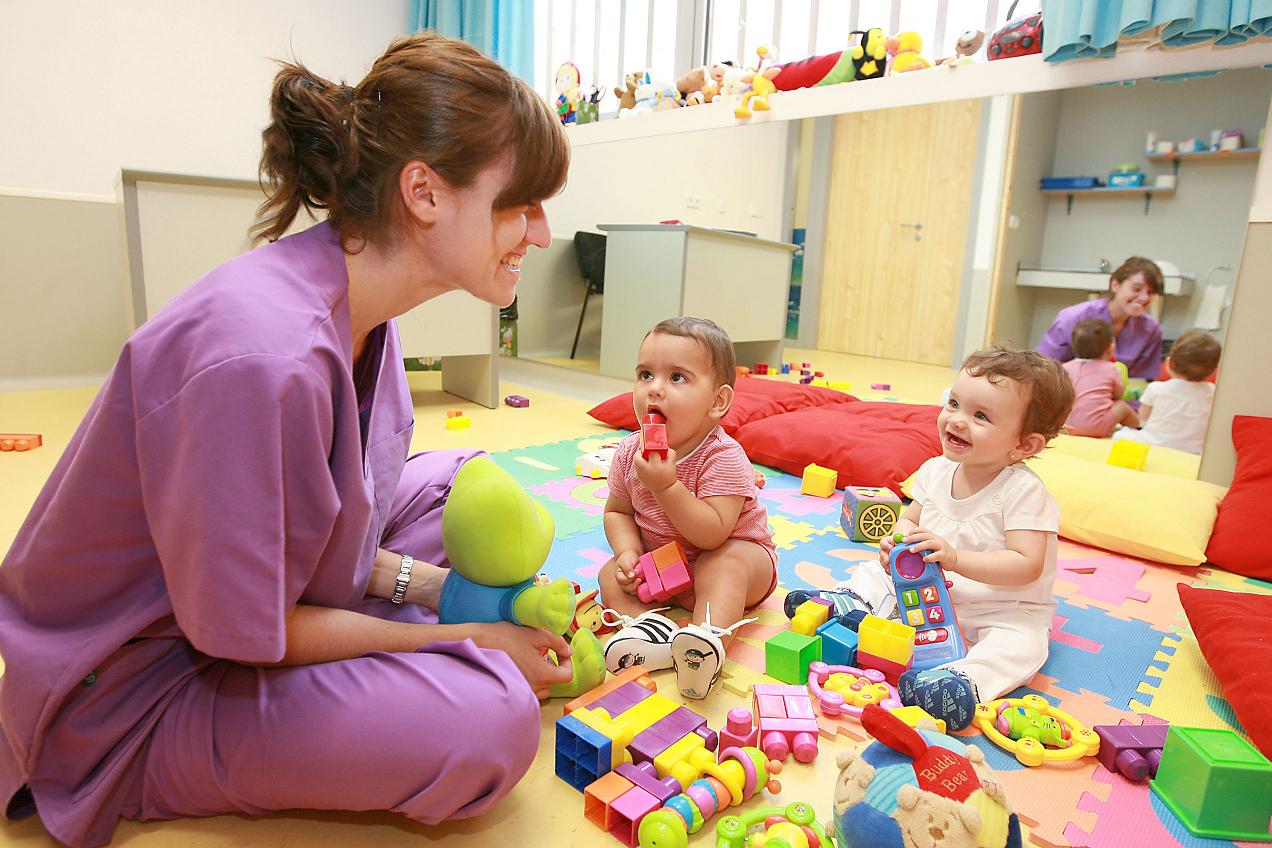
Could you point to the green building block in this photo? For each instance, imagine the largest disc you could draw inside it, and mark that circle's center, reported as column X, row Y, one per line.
column 788, row 654
column 1216, row 783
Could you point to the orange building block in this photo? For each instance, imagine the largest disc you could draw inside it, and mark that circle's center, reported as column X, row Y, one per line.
column 20, row 441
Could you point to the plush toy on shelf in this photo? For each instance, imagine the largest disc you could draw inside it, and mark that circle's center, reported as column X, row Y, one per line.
column 905, row 52
column 590, row 106
column 567, row 87
column 814, row 71
column 965, row 49
column 627, row 95
column 761, row 82
column 697, row 86
column 870, row 54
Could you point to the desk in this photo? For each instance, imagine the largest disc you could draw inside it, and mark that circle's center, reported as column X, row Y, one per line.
column 657, row 271
column 179, row 226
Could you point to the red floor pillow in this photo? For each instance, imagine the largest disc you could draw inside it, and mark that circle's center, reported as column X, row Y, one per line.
column 1234, row 543
column 867, row 443
column 753, row 399
column 1231, row 628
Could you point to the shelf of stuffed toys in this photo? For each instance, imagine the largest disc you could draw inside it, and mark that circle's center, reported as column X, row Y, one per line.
column 1017, row 75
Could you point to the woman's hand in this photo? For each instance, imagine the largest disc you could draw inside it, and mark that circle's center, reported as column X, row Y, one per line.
column 656, row 473
column 940, row 550
column 527, row 647
column 625, row 573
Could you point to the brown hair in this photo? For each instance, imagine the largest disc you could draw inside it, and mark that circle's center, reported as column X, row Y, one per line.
column 1091, row 338
column 428, row 98
column 1195, row 355
column 1139, row 265
column 1048, row 384
column 714, row 340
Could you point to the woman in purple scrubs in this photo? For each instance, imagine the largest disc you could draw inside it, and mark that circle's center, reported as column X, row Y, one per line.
column 222, row 601
column 1138, row 337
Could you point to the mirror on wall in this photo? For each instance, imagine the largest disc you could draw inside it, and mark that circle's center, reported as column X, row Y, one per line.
column 891, row 208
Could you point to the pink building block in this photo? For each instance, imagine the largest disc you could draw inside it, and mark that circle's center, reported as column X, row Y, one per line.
column 739, row 730
column 786, row 721
column 665, row 573
column 626, row 813
column 653, row 435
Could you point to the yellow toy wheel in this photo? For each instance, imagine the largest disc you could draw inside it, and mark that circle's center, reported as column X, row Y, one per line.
column 877, row 521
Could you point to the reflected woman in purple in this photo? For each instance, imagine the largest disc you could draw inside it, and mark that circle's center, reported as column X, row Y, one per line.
column 1138, row 336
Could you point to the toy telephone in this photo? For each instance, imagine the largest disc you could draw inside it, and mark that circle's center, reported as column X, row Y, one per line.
column 923, row 601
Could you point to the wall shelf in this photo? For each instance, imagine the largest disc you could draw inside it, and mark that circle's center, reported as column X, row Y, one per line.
column 1205, row 156
column 1110, row 191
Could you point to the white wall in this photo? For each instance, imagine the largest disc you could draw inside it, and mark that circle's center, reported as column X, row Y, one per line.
column 165, row 85
column 1198, row 228
column 646, row 180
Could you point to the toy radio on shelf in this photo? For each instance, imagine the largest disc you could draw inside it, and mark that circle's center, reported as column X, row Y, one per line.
column 923, row 600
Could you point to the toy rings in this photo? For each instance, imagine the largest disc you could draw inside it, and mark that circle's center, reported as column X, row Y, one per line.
column 748, row 766
column 870, row 687
column 1035, row 731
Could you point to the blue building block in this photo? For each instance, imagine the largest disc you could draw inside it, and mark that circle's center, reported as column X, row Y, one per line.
column 839, row 643
column 582, row 754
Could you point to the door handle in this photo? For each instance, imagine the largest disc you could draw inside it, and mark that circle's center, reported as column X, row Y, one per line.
column 918, row 229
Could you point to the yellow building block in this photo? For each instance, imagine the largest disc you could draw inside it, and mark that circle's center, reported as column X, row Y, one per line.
column 818, row 481
column 459, row 422
column 913, row 715
column 809, row 616
column 674, row 760
column 1128, row 454
column 886, row 639
column 621, row 733
column 647, row 713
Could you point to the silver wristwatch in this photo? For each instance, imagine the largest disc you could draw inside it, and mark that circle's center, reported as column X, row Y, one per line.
column 403, row 580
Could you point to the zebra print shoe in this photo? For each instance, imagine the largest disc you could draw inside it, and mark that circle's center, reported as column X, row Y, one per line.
column 643, row 640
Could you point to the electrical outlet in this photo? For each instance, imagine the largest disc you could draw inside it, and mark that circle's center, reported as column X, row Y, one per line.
column 693, row 201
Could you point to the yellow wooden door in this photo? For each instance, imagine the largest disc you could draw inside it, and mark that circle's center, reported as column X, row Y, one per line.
column 897, row 173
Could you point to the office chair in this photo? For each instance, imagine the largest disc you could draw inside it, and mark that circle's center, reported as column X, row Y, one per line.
column 589, row 250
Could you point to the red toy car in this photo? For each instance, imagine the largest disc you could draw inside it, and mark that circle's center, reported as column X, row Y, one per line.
column 1018, row 38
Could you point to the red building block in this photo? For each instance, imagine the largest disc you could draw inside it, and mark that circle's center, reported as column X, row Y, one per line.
column 653, row 435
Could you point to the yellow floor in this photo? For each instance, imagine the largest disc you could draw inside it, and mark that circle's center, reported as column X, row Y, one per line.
column 542, row 810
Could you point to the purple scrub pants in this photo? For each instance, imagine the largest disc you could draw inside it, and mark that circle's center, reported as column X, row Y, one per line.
column 437, row 734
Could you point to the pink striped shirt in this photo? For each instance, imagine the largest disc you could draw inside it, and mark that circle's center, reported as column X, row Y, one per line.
column 718, row 466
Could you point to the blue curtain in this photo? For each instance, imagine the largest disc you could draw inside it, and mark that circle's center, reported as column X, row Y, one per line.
column 502, row 28
column 1085, row 29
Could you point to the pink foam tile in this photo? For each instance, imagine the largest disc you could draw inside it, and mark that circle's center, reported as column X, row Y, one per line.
column 596, row 558
column 563, row 491
column 791, row 502
column 1110, row 579
column 1072, row 640
column 1125, row 817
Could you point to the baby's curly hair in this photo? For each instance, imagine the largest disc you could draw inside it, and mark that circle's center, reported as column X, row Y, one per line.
column 1048, row 384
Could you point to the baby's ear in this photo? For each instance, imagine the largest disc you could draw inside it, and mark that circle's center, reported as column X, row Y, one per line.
column 1031, row 445
column 723, row 402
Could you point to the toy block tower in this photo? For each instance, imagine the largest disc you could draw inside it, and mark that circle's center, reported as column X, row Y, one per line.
column 869, row 513
column 885, row 645
column 665, row 572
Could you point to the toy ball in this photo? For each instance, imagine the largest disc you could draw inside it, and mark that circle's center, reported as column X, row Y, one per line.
column 916, row 788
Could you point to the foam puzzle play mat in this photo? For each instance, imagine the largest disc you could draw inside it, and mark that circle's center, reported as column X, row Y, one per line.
column 1124, row 696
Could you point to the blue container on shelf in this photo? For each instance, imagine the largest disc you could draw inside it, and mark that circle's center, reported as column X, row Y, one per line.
column 1053, row 183
column 1117, row 180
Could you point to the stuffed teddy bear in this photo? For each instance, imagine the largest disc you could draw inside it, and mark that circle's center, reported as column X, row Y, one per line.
column 627, row 96
column 697, row 87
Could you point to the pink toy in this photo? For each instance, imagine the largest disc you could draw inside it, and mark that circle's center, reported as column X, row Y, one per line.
column 739, row 730
column 517, row 401
column 653, row 434
column 881, row 387
column 787, row 722
column 664, row 573
column 868, row 688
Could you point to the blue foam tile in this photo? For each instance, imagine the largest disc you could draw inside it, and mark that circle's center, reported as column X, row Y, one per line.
column 1127, row 650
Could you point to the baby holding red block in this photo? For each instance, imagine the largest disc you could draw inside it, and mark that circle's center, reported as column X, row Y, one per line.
column 700, row 494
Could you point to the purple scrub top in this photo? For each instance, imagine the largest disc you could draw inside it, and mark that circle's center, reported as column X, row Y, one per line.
column 1139, row 344
column 218, row 479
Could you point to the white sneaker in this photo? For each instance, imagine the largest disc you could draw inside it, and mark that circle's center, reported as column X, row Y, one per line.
column 698, row 655
column 643, row 640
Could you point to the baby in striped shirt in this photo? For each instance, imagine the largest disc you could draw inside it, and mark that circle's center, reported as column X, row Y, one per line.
column 702, row 494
